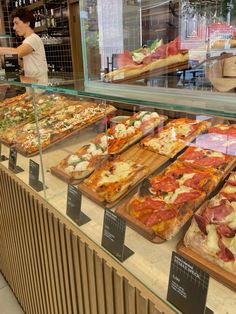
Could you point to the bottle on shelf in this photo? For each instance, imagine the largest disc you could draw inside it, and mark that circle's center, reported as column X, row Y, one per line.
column 53, row 21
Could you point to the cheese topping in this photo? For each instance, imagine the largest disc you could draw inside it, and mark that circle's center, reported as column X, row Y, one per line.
column 73, row 160
column 216, row 154
column 81, row 166
column 121, row 171
column 185, row 177
column 120, row 130
column 183, row 129
column 229, row 189
column 154, row 115
column 212, row 238
column 171, row 197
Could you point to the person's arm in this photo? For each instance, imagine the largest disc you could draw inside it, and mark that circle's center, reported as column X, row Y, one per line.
column 22, row 50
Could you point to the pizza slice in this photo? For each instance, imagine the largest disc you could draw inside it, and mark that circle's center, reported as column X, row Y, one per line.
column 155, row 215
column 212, row 233
column 114, row 178
column 123, row 135
column 184, row 128
column 206, row 158
column 227, row 129
column 180, row 175
column 229, row 189
column 174, row 136
column 225, row 144
column 82, row 163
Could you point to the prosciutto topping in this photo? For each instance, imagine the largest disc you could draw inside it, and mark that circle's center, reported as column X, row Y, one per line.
column 225, row 231
column 217, row 213
column 202, row 222
column 224, row 253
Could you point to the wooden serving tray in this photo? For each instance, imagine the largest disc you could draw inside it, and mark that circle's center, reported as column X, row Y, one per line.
column 60, row 137
column 156, row 72
column 223, row 276
column 135, row 153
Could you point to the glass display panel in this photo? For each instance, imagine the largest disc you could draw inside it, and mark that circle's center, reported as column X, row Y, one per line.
column 185, row 45
column 121, row 154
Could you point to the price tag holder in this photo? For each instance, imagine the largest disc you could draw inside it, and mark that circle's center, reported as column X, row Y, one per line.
column 188, row 286
column 2, row 157
column 113, row 236
column 12, row 161
column 34, row 176
column 73, row 208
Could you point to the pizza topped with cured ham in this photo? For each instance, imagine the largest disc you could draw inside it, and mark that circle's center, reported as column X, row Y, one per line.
column 183, row 175
column 227, row 129
column 213, row 230
column 166, row 201
column 206, row 158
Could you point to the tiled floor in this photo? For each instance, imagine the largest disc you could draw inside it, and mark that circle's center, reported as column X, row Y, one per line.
column 8, row 302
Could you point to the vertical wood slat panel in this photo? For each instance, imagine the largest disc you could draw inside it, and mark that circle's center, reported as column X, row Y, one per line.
column 153, row 309
column 119, row 293
column 65, row 267
column 100, row 290
column 142, row 303
column 51, row 278
column 37, row 259
column 91, row 280
column 71, row 271
column 109, row 295
column 130, row 298
column 14, row 220
column 28, row 260
column 51, row 269
column 78, row 276
column 60, row 266
column 51, row 221
column 84, row 272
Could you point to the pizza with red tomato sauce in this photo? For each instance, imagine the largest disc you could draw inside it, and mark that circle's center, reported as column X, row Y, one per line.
column 227, row 129
column 171, row 198
column 206, row 158
column 183, row 175
column 212, row 233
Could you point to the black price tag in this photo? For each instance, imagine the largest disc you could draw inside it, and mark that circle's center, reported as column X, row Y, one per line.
column 73, row 208
column 11, row 66
column 12, row 158
column 2, row 157
column 12, row 161
column 113, row 236
column 188, row 286
column 34, row 176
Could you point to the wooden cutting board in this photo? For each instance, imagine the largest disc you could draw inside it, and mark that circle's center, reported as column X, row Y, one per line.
column 150, row 160
column 214, row 270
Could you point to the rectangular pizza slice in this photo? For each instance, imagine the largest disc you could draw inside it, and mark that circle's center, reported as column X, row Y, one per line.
column 174, row 136
column 206, row 158
column 212, row 233
column 114, row 178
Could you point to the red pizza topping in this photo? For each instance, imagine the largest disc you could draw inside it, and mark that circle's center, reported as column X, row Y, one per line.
column 197, row 181
column 226, row 231
column 224, row 129
column 202, row 222
column 192, row 154
column 146, row 204
column 160, row 215
column 187, row 196
column 166, row 184
column 230, row 196
column 217, row 213
column 224, row 253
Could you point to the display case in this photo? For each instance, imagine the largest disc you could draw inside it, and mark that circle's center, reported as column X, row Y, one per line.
column 112, row 154
column 160, row 50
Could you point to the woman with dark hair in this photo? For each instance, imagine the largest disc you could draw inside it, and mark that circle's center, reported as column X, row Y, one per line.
column 31, row 51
